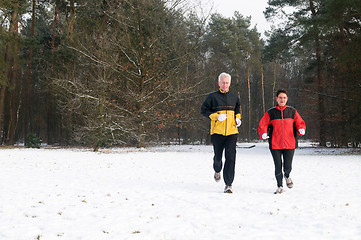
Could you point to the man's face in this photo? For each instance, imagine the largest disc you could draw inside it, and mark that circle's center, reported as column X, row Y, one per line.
column 224, row 84
column 281, row 99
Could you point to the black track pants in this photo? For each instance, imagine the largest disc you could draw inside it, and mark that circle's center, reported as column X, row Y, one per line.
column 227, row 143
column 287, row 163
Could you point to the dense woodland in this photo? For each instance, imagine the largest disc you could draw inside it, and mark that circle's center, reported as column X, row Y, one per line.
column 135, row 72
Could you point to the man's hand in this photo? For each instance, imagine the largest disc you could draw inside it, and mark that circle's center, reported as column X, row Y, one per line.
column 265, row 136
column 239, row 122
column 222, row 117
column 302, row 131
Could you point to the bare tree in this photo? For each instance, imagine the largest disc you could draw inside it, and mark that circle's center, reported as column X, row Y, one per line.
column 130, row 71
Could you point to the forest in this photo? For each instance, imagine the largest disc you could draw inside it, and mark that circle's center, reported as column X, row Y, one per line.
column 135, row 72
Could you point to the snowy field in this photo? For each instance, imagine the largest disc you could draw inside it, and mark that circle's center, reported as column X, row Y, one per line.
column 168, row 193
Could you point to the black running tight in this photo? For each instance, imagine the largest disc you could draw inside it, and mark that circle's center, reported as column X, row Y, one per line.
column 287, row 155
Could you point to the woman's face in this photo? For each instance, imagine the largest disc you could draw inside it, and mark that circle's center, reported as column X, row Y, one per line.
column 281, row 99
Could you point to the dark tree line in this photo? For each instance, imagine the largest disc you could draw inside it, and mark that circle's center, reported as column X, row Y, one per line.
column 133, row 72
column 322, row 41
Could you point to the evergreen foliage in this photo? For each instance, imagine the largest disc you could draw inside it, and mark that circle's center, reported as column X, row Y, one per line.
column 32, row 141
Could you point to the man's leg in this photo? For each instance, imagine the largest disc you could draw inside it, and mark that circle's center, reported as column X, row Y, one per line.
column 230, row 154
column 218, row 145
column 276, row 154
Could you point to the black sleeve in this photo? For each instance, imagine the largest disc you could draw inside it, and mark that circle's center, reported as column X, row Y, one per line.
column 206, row 108
column 237, row 109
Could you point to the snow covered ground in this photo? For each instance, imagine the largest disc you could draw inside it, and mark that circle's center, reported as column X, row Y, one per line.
column 168, row 193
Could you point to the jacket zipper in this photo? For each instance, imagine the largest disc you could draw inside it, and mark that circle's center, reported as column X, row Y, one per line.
column 283, row 129
column 225, row 130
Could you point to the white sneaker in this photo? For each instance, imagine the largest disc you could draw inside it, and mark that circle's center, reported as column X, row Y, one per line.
column 217, row 176
column 279, row 190
column 228, row 189
column 289, row 182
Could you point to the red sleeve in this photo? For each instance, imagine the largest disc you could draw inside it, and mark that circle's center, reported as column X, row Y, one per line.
column 263, row 125
column 300, row 124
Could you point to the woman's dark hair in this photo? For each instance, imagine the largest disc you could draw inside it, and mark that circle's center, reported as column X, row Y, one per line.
column 281, row 91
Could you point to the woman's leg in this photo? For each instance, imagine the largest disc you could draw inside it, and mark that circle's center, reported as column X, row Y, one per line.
column 287, row 161
column 277, row 159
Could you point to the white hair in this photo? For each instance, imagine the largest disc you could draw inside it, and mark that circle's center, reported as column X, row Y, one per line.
column 224, row 75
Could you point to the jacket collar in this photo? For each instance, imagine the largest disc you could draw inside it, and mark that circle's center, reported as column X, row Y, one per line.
column 281, row 108
column 223, row 91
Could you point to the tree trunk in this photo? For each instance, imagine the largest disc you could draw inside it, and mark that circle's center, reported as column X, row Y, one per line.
column 2, row 99
column 249, row 99
column 55, row 22
column 28, row 78
column 140, row 121
column 71, row 21
column 14, row 89
column 4, row 115
column 263, row 100
column 274, row 81
column 141, row 137
column 52, row 132
column 3, row 91
column 320, row 83
column 15, row 99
